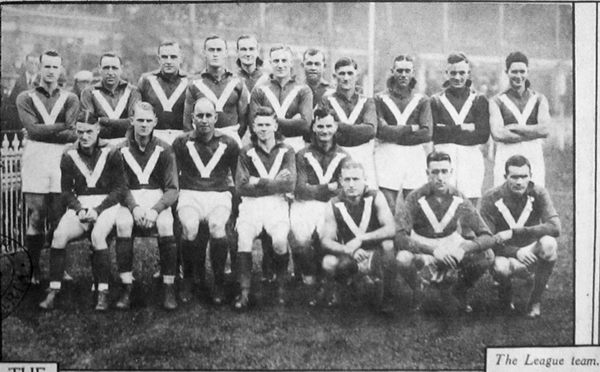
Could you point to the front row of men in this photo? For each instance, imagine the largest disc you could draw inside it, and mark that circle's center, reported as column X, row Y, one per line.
column 438, row 236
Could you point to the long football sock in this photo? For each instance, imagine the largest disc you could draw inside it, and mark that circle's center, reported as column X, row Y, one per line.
column 167, row 250
column 57, row 264
column 218, row 257
column 124, row 253
column 34, row 244
column 101, row 266
column 542, row 275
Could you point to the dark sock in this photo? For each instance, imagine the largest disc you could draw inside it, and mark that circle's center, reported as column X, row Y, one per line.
column 201, row 243
column 189, row 258
column 244, row 260
column 101, row 265
column 34, row 244
column 268, row 253
column 124, row 253
column 167, row 250
column 218, row 258
column 57, row 264
column 542, row 275
column 280, row 265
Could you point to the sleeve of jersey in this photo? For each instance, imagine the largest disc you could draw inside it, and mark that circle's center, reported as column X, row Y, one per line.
column 304, row 190
column 445, row 132
column 488, row 214
column 171, row 181
column 361, row 132
column 389, row 133
column 68, row 135
column 242, row 108
column 188, row 107
column 403, row 217
column 481, row 119
column 256, row 99
column 242, row 177
column 36, row 132
column 116, row 172
column 550, row 223
column 67, row 183
column 295, row 127
column 272, row 187
column 470, row 217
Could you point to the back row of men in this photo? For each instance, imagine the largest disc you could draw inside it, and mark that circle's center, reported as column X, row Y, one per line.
column 279, row 105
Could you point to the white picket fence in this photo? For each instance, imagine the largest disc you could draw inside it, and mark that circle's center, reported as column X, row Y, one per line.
column 12, row 207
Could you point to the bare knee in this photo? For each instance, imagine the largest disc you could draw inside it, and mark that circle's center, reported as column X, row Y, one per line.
column 330, row 263
column 217, row 226
column 405, row 259
column 302, row 233
column 279, row 243
column 189, row 223
column 501, row 268
column 124, row 222
column 246, row 235
column 548, row 248
column 164, row 223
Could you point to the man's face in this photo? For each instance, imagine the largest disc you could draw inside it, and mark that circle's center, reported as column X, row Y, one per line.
column 438, row 174
column 215, row 52
column 518, row 178
column 110, row 70
column 353, row 182
column 143, row 122
column 458, row 74
column 265, row 127
column 50, row 69
column 403, row 72
column 205, row 117
column 169, row 59
column 31, row 65
column 281, row 61
column 325, row 128
column 517, row 74
column 346, row 77
column 313, row 66
column 87, row 134
column 248, row 51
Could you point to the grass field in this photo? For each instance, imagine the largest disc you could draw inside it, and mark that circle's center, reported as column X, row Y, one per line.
column 201, row 336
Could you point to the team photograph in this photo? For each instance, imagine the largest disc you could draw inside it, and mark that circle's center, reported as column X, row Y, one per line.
column 280, row 186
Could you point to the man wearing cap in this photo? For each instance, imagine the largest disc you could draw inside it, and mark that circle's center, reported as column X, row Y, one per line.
column 519, row 120
column 164, row 89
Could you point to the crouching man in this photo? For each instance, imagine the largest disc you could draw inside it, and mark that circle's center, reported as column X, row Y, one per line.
column 92, row 185
column 152, row 179
column 526, row 225
column 428, row 237
column 358, row 232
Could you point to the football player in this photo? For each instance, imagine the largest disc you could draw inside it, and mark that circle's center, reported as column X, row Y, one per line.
column 526, row 225
column 519, row 120
column 313, row 62
column 249, row 62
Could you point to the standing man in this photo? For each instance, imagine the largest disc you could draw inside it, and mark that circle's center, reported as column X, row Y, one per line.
column 266, row 171
column 290, row 99
column 218, row 84
column 48, row 114
column 358, row 232
column 428, row 236
column 205, row 158
column 461, row 125
column 313, row 62
column 519, row 120
column 403, row 126
column 356, row 117
column 249, row 62
column 92, row 184
column 82, row 80
column 318, row 167
column 111, row 100
column 165, row 89
column 526, row 225
column 153, row 181
column 29, row 79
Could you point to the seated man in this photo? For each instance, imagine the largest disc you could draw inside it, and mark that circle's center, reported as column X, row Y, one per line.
column 358, row 231
column 525, row 223
column 266, row 171
column 92, row 184
column 152, row 179
column 318, row 167
column 428, row 236
column 206, row 159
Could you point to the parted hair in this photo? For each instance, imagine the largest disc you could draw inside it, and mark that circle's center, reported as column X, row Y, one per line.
column 277, row 47
column 111, row 55
column 516, row 57
column 214, row 37
column 48, row 52
column 167, row 43
column 265, row 111
column 438, row 156
column 313, row 52
column 516, row 161
column 456, row 57
column 145, row 106
column 353, row 164
column 323, row 112
column 87, row 117
column 404, row 57
column 243, row 37
column 345, row 61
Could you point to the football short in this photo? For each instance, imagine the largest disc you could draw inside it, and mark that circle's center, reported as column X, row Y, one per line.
column 40, row 167
column 468, row 165
column 297, row 143
column 532, row 150
column 307, row 216
column 400, row 167
column 108, row 216
column 205, row 202
column 147, row 198
column 269, row 212
column 167, row 135
column 232, row 131
column 364, row 154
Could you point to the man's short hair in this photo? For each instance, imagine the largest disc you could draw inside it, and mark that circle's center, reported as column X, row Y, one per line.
column 167, row 43
column 345, row 61
column 516, row 57
column 214, row 37
column 87, row 117
column 244, row 37
column 265, row 111
column 323, row 112
column 32, row 55
column 111, row 55
column 353, row 164
column 277, row 47
column 404, row 57
column 456, row 57
column 516, row 161
column 214, row 105
column 313, row 52
column 49, row 53
column 145, row 106
column 438, row 156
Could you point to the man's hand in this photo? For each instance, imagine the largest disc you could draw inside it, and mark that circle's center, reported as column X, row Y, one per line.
column 526, row 256
column 332, row 186
column 503, row 236
column 283, row 175
column 150, row 218
column 138, row 215
column 415, row 127
column 360, row 255
column 353, row 245
column 458, row 253
column 91, row 215
column 468, row 127
column 81, row 215
column 443, row 255
column 253, row 180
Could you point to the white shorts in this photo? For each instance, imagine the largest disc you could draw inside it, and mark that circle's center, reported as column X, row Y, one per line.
column 147, row 198
column 400, row 167
column 232, row 131
column 167, row 135
column 205, row 202
column 364, row 154
column 306, row 216
column 297, row 143
column 108, row 216
column 532, row 150
column 269, row 212
column 469, row 167
column 40, row 167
